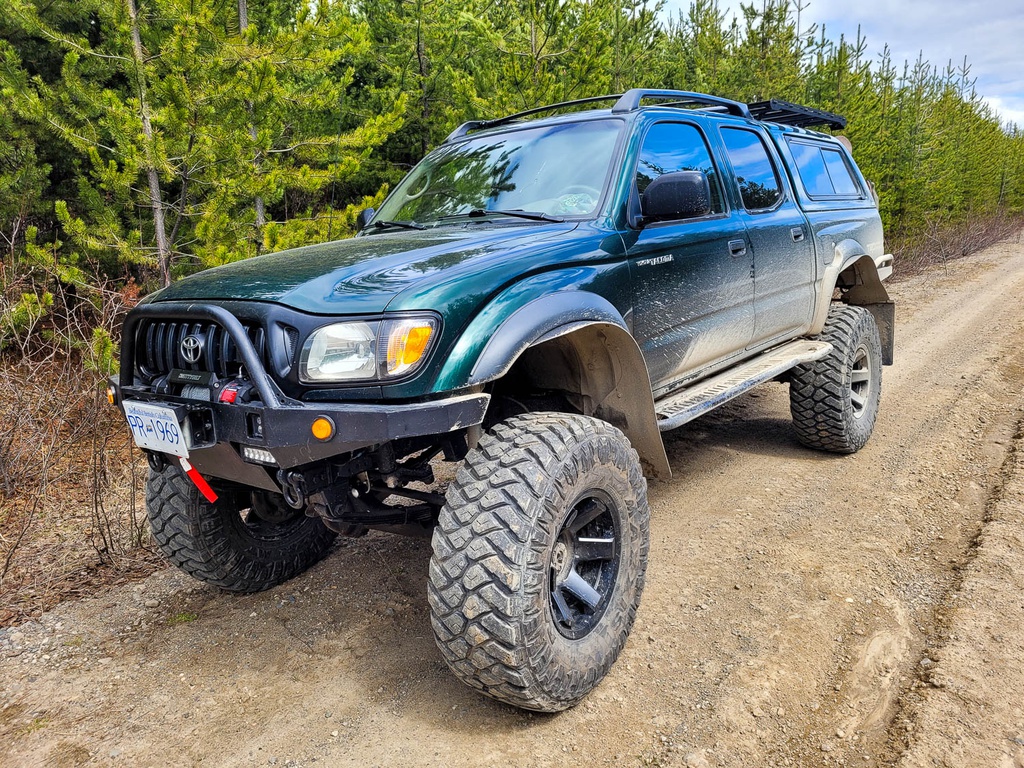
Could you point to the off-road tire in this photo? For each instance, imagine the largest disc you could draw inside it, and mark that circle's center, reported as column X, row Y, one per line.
column 834, row 401
column 228, row 544
column 515, row 510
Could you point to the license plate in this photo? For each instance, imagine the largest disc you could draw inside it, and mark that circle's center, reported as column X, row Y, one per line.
column 155, row 427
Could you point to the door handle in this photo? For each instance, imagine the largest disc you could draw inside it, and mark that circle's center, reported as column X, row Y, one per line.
column 737, row 247
column 797, row 233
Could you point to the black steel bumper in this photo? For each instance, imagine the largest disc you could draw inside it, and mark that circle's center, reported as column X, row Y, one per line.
column 276, row 423
column 286, row 430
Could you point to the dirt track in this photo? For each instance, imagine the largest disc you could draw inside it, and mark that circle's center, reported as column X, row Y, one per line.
column 801, row 609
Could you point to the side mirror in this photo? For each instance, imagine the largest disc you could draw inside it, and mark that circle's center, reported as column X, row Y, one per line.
column 679, row 195
column 363, row 218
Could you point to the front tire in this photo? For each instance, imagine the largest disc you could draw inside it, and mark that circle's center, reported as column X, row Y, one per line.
column 834, row 401
column 539, row 559
column 244, row 542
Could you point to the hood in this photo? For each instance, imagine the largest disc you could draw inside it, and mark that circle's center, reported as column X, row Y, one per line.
column 364, row 274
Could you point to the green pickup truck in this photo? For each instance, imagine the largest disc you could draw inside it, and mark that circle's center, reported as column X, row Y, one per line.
column 537, row 301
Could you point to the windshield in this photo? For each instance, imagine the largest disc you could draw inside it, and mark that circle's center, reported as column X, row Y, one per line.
column 557, row 170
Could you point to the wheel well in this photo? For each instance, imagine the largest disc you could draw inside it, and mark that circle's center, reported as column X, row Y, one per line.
column 859, row 283
column 594, row 369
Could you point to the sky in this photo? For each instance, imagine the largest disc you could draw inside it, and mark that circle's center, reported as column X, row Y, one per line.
column 989, row 32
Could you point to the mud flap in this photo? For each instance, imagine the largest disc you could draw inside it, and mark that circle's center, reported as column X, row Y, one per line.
column 884, row 313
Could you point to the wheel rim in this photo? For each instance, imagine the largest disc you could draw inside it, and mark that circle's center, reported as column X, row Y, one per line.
column 861, row 381
column 583, row 565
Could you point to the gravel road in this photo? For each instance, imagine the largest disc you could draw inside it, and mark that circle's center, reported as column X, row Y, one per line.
column 801, row 609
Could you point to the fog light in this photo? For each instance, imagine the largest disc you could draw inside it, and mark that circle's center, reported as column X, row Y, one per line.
column 258, row 455
column 323, row 428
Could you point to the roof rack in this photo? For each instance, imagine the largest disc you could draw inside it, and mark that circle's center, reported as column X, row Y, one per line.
column 773, row 110
column 630, row 101
column 626, row 102
column 478, row 125
column 779, row 111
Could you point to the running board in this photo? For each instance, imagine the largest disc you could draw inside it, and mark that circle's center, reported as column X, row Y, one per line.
column 681, row 407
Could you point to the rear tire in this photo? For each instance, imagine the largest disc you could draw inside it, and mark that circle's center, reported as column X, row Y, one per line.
column 539, row 559
column 834, row 401
column 244, row 542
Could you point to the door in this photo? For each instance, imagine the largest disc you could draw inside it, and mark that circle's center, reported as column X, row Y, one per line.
column 693, row 282
column 783, row 250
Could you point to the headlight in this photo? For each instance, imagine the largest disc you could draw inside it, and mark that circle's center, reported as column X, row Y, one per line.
column 340, row 352
column 366, row 351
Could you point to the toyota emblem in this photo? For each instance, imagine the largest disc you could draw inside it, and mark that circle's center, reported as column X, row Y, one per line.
column 192, row 349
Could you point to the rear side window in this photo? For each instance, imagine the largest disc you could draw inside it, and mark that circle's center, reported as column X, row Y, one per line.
column 839, row 173
column 824, row 171
column 755, row 173
column 671, row 147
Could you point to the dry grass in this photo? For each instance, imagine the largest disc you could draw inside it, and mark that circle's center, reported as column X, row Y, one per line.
column 71, row 510
column 942, row 243
column 72, row 516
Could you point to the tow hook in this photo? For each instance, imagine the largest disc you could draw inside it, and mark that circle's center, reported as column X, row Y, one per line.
column 293, row 488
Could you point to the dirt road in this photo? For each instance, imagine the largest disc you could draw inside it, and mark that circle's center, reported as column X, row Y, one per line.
column 801, row 609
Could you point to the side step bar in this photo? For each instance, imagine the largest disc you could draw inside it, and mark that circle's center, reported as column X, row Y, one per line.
column 681, row 407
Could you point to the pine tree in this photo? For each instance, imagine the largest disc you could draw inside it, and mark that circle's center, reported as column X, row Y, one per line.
column 696, row 54
column 177, row 113
column 768, row 59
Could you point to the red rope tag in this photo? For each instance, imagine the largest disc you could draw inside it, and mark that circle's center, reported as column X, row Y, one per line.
column 199, row 480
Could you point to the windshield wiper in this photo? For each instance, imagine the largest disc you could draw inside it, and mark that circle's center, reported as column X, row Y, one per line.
column 517, row 212
column 403, row 224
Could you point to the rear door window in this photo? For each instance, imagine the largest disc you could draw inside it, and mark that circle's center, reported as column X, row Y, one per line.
column 759, row 183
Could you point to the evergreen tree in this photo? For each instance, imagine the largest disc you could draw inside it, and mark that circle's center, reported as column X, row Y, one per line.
column 179, row 112
column 696, row 54
column 768, row 59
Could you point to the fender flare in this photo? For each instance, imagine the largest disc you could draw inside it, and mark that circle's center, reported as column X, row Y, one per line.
column 609, row 375
column 538, row 320
column 856, row 274
column 604, row 365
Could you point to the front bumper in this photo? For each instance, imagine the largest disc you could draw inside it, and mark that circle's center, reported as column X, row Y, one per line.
column 221, row 430
column 274, row 422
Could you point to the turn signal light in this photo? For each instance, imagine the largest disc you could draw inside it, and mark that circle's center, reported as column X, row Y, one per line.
column 323, row 428
column 407, row 342
column 111, row 395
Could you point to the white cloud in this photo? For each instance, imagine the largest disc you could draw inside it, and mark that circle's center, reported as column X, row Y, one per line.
column 1010, row 111
column 988, row 33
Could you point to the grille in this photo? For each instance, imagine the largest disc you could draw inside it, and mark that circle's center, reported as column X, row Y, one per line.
column 158, row 348
column 291, row 340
